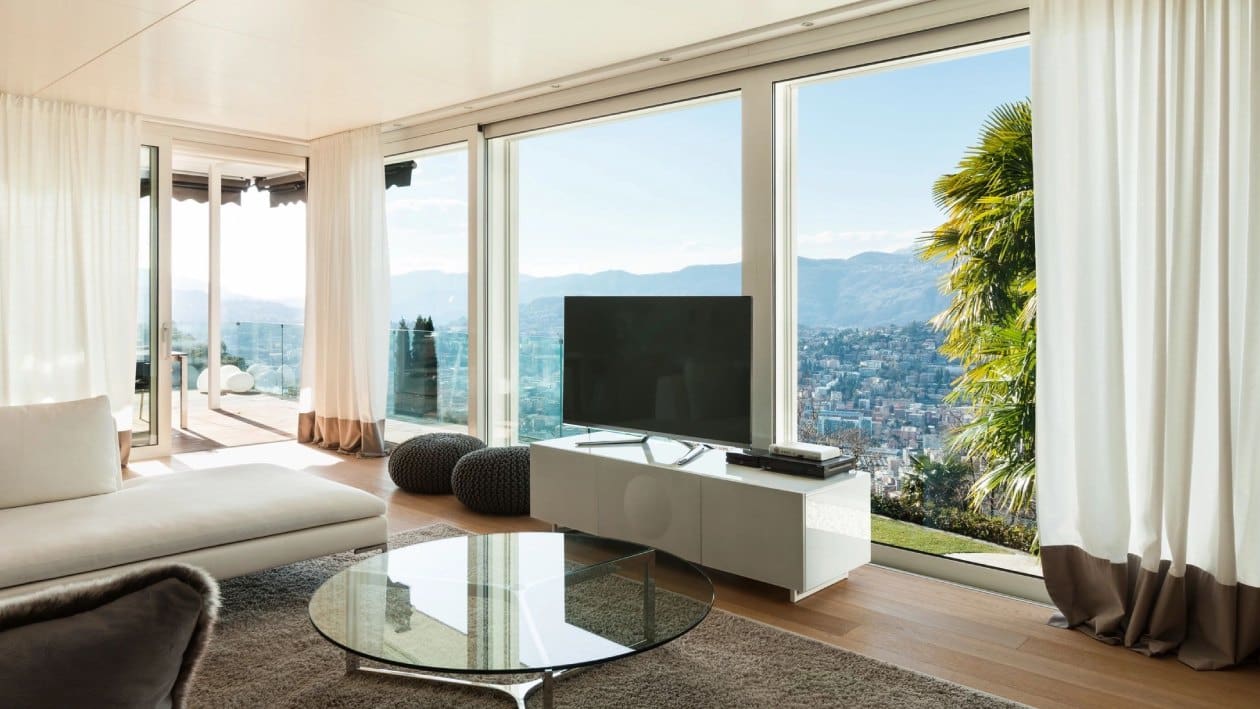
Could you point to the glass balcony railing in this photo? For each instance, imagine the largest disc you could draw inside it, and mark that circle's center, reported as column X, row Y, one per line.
column 540, row 397
column 270, row 353
column 428, row 377
column 428, row 371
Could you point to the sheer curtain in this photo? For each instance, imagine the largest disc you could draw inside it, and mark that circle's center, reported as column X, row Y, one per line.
column 69, row 205
column 345, row 350
column 1148, row 265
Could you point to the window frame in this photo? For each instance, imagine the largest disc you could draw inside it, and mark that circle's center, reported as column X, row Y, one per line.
column 502, row 176
column 480, row 312
column 432, row 146
column 768, row 251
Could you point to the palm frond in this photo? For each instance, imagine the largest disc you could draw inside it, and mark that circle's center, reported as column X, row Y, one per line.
column 988, row 242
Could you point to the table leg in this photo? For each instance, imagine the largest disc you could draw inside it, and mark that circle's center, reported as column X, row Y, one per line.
column 548, row 689
column 649, row 597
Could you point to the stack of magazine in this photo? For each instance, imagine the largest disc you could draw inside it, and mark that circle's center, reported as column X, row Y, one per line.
column 759, row 458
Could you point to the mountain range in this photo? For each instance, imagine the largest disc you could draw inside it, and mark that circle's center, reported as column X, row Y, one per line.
column 866, row 290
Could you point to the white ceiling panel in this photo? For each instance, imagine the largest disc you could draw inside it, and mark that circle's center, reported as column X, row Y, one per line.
column 306, row 68
column 43, row 40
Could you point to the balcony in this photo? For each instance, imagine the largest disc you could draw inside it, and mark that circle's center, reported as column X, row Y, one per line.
column 427, row 389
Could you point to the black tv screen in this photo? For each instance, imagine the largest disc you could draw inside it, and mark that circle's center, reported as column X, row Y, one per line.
column 675, row 366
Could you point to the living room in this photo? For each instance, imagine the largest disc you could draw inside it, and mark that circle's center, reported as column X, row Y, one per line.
column 395, row 353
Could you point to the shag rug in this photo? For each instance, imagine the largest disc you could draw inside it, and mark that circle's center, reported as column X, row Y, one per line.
column 264, row 653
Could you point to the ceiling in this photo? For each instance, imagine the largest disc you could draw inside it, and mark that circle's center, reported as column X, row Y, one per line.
column 307, row 68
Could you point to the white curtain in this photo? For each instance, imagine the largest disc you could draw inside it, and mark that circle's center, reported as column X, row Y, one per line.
column 1147, row 171
column 345, row 350
column 69, row 210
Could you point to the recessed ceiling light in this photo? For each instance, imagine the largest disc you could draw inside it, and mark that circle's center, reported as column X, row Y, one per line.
column 807, row 23
column 665, row 59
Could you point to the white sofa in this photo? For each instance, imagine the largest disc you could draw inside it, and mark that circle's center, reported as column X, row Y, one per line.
column 67, row 515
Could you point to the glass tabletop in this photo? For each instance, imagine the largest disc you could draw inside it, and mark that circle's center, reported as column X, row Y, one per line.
column 511, row 603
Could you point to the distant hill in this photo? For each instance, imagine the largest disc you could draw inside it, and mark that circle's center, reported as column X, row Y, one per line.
column 866, row 290
column 189, row 306
column 869, row 289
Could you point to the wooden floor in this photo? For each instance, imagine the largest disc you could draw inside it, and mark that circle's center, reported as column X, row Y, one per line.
column 992, row 643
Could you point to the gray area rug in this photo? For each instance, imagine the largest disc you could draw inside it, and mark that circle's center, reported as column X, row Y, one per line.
column 266, row 654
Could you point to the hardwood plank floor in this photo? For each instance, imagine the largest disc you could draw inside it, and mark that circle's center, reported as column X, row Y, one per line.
column 992, row 643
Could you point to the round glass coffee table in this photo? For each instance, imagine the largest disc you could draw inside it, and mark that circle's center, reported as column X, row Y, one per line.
column 530, row 603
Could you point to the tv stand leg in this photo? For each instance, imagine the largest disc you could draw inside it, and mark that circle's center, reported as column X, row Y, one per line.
column 796, row 596
column 694, row 450
column 627, row 442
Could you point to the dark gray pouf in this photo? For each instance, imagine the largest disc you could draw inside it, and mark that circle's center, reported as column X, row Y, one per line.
column 494, row 480
column 424, row 463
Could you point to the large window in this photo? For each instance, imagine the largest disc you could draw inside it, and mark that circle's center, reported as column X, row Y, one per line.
column 879, row 369
column 816, row 186
column 263, row 292
column 238, row 288
column 427, row 206
column 647, row 204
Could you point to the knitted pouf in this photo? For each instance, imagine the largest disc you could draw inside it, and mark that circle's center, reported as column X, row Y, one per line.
column 423, row 464
column 494, row 480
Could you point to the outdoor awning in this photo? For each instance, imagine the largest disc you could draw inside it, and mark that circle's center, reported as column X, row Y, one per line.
column 289, row 188
column 399, row 174
column 187, row 185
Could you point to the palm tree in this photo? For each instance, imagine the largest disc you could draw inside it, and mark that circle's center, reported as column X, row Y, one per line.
column 990, row 323
column 940, row 483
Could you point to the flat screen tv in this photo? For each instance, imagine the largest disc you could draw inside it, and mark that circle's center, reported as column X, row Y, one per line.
column 678, row 366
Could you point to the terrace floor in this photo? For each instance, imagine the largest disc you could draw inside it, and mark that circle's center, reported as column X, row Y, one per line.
column 256, row 418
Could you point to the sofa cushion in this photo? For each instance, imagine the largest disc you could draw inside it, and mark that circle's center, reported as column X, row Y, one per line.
column 132, row 640
column 58, row 452
column 157, row 516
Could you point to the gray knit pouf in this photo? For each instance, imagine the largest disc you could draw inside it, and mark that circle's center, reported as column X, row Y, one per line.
column 424, row 463
column 494, row 480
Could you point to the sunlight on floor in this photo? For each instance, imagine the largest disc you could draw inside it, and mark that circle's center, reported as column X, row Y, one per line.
column 288, row 454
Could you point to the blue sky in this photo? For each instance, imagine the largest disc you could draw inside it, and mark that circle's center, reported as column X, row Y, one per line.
column 428, row 219
column 871, row 145
column 661, row 190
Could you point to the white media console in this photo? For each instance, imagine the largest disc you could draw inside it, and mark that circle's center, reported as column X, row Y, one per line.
column 799, row 533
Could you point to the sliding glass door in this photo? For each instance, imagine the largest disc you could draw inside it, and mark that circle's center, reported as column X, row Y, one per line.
column 878, row 157
column 237, row 294
column 426, row 203
column 144, row 431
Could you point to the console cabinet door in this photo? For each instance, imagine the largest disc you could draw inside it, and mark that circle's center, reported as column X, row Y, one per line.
column 562, row 488
column 753, row 531
column 648, row 505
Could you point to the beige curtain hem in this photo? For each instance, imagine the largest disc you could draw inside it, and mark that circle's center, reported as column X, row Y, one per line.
column 1207, row 624
column 365, row 439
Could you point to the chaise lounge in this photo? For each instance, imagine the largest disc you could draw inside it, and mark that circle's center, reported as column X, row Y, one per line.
column 67, row 515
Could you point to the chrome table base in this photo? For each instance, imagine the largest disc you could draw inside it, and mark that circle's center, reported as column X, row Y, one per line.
column 519, row 692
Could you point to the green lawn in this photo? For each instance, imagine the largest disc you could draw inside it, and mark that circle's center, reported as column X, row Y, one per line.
column 931, row 541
